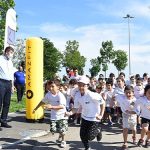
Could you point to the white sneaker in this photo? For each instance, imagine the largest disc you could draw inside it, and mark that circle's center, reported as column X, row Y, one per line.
column 59, row 140
column 63, row 144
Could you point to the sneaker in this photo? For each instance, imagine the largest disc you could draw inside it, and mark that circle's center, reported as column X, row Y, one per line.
column 124, row 147
column 78, row 121
column 138, row 127
column 110, row 123
column 99, row 135
column 134, row 139
column 140, row 143
column 59, row 140
column 88, row 148
column 63, row 144
column 119, row 121
column 147, row 143
column 5, row 125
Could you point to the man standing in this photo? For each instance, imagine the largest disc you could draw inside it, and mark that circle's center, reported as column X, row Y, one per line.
column 6, row 86
column 19, row 81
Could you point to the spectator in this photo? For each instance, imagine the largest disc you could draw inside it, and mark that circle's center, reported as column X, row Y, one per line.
column 19, row 82
column 6, row 84
column 75, row 74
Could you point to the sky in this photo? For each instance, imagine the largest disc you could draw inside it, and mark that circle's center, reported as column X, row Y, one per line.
column 90, row 22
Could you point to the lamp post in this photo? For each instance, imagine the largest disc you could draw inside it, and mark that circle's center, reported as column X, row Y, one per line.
column 128, row 17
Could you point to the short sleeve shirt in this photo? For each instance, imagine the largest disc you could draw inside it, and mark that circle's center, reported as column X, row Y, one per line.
column 125, row 103
column 90, row 103
column 56, row 100
column 144, row 103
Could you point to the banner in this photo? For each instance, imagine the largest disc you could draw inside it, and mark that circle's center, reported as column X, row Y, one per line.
column 10, row 28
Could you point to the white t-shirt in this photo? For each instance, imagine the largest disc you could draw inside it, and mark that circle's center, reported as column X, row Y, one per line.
column 118, row 91
column 56, row 100
column 70, row 94
column 108, row 97
column 138, row 91
column 77, row 77
column 144, row 83
column 90, row 103
column 125, row 103
column 143, row 102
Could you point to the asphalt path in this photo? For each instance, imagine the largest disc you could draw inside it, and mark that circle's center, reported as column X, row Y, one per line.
column 36, row 136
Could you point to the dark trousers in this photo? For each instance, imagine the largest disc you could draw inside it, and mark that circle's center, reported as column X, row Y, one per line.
column 88, row 131
column 5, row 96
column 20, row 91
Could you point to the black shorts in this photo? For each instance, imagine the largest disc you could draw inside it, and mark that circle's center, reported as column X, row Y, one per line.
column 109, row 110
column 144, row 120
column 88, row 130
column 118, row 111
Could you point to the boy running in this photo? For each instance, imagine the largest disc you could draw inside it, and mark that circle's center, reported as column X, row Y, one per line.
column 55, row 101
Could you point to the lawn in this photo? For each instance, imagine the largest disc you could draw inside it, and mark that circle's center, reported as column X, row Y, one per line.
column 14, row 105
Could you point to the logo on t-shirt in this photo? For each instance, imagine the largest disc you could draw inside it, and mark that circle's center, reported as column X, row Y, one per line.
column 87, row 102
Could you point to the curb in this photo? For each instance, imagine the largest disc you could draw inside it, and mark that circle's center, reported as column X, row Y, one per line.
column 35, row 135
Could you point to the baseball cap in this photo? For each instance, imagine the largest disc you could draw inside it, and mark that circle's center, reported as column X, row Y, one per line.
column 84, row 79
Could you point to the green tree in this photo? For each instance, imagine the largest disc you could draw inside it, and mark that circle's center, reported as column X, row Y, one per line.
column 107, row 54
column 19, row 55
column 121, row 59
column 95, row 67
column 72, row 56
column 52, row 59
column 4, row 6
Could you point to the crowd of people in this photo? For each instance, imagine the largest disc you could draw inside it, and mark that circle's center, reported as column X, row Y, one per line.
column 91, row 102
column 87, row 101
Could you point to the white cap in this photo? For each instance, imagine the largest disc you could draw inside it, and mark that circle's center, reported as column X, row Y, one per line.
column 84, row 79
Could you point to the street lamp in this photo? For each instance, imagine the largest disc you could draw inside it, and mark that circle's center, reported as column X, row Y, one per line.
column 128, row 17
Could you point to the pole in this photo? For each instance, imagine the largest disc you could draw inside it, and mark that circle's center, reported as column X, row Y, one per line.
column 128, row 17
column 129, row 47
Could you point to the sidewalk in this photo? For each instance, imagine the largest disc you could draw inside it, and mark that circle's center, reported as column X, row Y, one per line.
column 28, row 136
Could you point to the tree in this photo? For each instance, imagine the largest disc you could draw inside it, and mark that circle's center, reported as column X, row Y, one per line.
column 52, row 59
column 72, row 57
column 120, row 61
column 95, row 67
column 19, row 54
column 107, row 54
column 4, row 6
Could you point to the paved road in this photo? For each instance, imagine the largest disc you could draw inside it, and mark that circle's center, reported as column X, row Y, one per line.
column 18, row 137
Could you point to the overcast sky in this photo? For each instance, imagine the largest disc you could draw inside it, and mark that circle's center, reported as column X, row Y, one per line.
column 90, row 22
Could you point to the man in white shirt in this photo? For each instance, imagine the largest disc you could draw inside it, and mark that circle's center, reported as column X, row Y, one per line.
column 6, row 88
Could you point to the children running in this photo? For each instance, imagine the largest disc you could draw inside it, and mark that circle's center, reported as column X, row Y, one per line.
column 92, row 108
column 127, row 103
column 144, row 103
column 55, row 101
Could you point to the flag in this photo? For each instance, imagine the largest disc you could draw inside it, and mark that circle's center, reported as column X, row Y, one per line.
column 10, row 28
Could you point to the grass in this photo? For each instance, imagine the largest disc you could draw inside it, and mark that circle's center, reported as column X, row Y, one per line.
column 14, row 105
